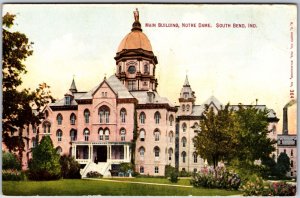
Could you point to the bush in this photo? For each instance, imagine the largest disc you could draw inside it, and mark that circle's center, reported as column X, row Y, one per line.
column 13, row 175
column 218, row 178
column 94, row 174
column 174, row 176
column 254, row 187
column 282, row 189
column 184, row 173
column 10, row 161
column 168, row 170
column 70, row 168
column 44, row 164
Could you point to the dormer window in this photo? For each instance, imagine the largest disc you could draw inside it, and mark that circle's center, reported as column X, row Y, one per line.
column 67, row 100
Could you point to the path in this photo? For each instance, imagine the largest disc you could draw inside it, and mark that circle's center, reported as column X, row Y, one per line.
column 132, row 182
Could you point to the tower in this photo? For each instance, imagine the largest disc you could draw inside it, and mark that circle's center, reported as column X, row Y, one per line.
column 187, row 98
column 135, row 60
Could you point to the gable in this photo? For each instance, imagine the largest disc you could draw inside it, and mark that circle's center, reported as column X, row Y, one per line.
column 104, row 91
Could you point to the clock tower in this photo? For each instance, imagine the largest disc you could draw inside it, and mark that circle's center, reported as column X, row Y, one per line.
column 135, row 61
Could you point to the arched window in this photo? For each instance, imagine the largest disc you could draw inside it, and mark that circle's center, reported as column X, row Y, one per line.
column 184, row 127
column 33, row 140
column 171, row 135
column 156, row 134
column 59, row 119
column 72, row 119
column 120, row 68
column 196, row 127
column 46, row 127
column 142, row 135
column 123, row 134
column 183, row 107
column 187, row 107
column 73, row 135
column 58, row 150
column 86, row 116
column 59, row 135
column 171, row 119
column 183, row 155
column 104, row 114
column 195, row 158
column 142, row 118
column 106, row 132
column 292, row 163
column 157, row 117
column 86, row 134
column 123, row 115
column 156, row 152
column 170, row 153
column 142, row 152
column 101, row 133
column 183, row 140
column 292, row 152
column 142, row 169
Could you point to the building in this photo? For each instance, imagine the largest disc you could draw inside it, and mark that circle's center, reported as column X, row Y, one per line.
column 98, row 126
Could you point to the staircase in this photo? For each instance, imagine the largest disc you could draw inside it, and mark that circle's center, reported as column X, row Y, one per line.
column 101, row 167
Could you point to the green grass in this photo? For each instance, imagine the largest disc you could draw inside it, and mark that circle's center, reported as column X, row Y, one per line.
column 91, row 187
column 181, row 181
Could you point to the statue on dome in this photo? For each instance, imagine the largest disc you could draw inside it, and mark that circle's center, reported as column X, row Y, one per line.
column 136, row 15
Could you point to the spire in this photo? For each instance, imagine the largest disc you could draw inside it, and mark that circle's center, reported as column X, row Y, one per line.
column 73, row 86
column 186, row 82
column 136, row 24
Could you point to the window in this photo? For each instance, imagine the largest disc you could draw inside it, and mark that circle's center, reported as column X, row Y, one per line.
column 142, row 135
column 59, row 150
column 187, row 107
column 34, row 129
column 280, row 141
column 142, row 152
column 104, row 114
column 131, row 85
column 292, row 163
column 195, row 158
column 101, row 133
column 73, row 135
column 141, row 169
column 46, row 127
column 170, row 152
column 196, row 127
column 183, row 140
column 195, row 170
column 171, row 135
column 72, row 119
column 157, row 117
column 46, row 114
column 156, row 151
column 86, row 116
column 120, row 68
column 123, row 115
column 183, row 155
column 142, row 118
column 123, row 134
column 106, row 131
column 68, row 100
column 291, row 173
column 171, row 119
column 146, row 68
column 33, row 140
column 104, row 94
column 184, row 127
column 156, row 135
column 156, row 169
column 59, row 119
column 284, row 151
column 292, row 152
column 59, row 135
column 86, row 134
column 183, row 107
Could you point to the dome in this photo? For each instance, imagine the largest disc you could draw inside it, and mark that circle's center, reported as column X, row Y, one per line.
column 134, row 40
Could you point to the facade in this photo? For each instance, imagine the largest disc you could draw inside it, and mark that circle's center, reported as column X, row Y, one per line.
column 97, row 127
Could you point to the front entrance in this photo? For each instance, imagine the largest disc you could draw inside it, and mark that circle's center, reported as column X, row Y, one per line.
column 101, row 154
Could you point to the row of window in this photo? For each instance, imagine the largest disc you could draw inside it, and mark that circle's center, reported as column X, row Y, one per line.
column 156, row 134
column 156, row 169
column 186, row 107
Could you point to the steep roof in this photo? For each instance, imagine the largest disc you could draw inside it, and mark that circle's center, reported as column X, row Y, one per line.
column 143, row 98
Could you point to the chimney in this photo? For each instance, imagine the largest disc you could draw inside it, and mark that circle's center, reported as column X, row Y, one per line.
column 285, row 121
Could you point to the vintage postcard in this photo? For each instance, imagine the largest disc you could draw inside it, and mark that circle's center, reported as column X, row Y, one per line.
column 149, row 99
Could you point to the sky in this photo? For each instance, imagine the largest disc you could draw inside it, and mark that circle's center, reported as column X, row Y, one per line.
column 236, row 65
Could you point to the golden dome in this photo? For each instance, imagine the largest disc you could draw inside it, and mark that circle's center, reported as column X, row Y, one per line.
column 134, row 40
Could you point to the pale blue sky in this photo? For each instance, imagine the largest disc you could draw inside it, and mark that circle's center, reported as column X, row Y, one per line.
column 236, row 65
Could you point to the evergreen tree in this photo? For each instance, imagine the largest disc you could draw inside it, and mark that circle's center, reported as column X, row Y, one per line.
column 44, row 164
column 70, row 168
column 283, row 165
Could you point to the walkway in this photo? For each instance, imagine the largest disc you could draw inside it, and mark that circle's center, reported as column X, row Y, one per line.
column 132, row 182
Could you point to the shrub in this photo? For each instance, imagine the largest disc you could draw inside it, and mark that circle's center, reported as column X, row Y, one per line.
column 254, row 187
column 218, row 178
column 13, row 175
column 94, row 174
column 70, row 168
column 10, row 161
column 184, row 173
column 282, row 189
column 168, row 170
column 174, row 176
column 44, row 164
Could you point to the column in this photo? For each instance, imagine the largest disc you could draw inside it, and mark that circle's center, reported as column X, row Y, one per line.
column 92, row 153
column 107, row 151
column 125, row 152
column 89, row 152
column 128, row 153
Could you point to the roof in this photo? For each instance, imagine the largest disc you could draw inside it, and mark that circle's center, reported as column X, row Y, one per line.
column 135, row 40
column 143, row 98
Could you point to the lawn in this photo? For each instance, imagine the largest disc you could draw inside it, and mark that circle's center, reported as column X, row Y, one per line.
column 181, row 181
column 91, row 187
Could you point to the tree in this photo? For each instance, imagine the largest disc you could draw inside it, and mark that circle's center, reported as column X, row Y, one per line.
column 70, row 168
column 216, row 140
column 10, row 161
column 283, row 165
column 18, row 104
column 44, row 164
